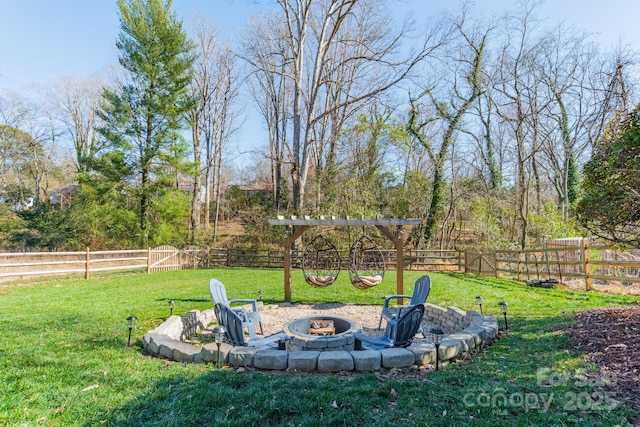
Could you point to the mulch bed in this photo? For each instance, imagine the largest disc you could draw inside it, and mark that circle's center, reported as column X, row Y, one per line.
column 610, row 337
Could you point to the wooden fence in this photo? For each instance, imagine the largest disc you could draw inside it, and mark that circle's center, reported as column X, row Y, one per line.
column 594, row 263
column 14, row 266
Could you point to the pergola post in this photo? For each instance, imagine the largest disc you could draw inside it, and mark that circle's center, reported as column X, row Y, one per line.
column 399, row 262
column 397, row 240
column 289, row 240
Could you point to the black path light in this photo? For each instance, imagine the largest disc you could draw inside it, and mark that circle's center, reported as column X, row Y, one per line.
column 479, row 301
column 504, row 306
column 171, row 304
column 218, row 337
column 132, row 323
column 438, row 334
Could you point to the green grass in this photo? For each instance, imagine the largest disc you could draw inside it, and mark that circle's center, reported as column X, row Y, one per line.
column 64, row 360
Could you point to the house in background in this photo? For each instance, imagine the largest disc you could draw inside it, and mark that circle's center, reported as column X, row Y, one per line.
column 14, row 205
column 62, row 198
column 263, row 192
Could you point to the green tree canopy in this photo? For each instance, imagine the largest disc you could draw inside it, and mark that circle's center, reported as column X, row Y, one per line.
column 610, row 206
column 146, row 112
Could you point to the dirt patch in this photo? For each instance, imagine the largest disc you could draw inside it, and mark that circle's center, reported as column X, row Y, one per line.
column 610, row 337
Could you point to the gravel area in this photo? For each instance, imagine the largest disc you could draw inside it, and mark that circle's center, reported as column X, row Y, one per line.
column 274, row 317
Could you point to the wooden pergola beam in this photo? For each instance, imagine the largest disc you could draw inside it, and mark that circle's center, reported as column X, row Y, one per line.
column 382, row 224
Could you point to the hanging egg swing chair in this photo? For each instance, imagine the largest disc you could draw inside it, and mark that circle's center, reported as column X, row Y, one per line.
column 320, row 262
column 366, row 263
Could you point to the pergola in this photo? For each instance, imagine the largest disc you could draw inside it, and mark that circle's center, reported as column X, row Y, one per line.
column 390, row 227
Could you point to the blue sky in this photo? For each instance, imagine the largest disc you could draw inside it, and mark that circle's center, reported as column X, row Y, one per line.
column 45, row 40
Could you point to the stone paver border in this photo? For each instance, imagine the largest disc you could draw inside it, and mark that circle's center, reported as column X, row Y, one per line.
column 473, row 331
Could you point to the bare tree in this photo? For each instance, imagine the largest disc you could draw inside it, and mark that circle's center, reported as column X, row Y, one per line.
column 76, row 101
column 568, row 61
column 314, row 31
column 28, row 145
column 13, row 114
column 202, row 88
column 520, row 107
column 488, row 138
column 615, row 79
column 215, row 86
column 272, row 92
column 464, row 60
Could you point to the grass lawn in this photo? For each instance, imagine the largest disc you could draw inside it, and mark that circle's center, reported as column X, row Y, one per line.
column 64, row 360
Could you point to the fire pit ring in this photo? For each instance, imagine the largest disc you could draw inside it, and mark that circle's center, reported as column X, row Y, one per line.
column 302, row 340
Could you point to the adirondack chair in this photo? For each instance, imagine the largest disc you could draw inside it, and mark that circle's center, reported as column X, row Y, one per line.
column 234, row 327
column 421, row 291
column 250, row 318
column 399, row 331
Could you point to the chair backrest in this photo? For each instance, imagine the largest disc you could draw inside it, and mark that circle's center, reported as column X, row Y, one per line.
column 406, row 327
column 218, row 292
column 421, row 290
column 231, row 322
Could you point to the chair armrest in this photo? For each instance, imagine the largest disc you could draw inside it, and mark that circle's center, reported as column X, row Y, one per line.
column 366, row 338
column 390, row 297
column 362, row 337
column 254, row 303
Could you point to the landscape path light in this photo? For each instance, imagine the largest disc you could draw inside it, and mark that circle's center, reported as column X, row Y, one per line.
column 132, row 323
column 479, row 301
column 504, row 307
column 438, row 334
column 218, row 337
column 171, row 304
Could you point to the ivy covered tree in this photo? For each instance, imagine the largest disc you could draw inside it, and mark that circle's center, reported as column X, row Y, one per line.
column 610, row 205
column 144, row 115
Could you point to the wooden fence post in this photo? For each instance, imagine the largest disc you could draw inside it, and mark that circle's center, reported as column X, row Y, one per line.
column 588, row 281
column 520, row 265
column 466, row 261
column 87, row 262
column 148, row 260
column 495, row 257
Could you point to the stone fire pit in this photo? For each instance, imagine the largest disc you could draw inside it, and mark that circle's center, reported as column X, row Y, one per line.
column 466, row 330
column 303, row 338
